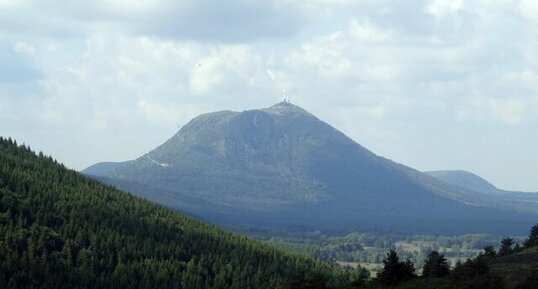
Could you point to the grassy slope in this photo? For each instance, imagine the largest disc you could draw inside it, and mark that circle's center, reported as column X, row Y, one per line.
column 513, row 269
column 517, row 267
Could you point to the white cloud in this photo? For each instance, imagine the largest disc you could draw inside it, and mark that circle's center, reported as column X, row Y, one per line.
column 158, row 113
column 510, row 111
column 323, row 56
column 115, row 72
column 204, row 20
column 208, row 74
column 366, row 32
column 442, row 8
column 529, row 9
column 16, row 67
column 25, row 48
column 224, row 67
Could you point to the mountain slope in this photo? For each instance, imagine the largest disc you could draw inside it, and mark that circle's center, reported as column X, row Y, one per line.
column 59, row 229
column 281, row 166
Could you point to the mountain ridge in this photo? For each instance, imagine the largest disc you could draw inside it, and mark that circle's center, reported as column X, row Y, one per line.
column 464, row 179
column 469, row 180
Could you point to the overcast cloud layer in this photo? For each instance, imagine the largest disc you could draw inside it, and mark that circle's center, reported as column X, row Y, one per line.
column 442, row 84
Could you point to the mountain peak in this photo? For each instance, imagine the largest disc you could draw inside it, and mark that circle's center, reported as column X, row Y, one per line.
column 285, row 104
column 286, row 107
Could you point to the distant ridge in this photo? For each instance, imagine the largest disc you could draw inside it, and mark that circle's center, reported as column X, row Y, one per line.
column 103, row 168
column 281, row 166
column 464, row 179
column 472, row 182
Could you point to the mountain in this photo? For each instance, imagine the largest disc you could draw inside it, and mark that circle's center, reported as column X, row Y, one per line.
column 474, row 183
column 282, row 167
column 101, row 168
column 466, row 180
column 469, row 181
column 60, row 229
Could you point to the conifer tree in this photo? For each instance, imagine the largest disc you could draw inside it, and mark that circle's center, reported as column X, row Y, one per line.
column 489, row 252
column 435, row 266
column 533, row 237
column 395, row 271
column 506, row 246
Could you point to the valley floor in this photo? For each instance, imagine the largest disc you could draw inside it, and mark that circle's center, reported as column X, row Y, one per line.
column 369, row 249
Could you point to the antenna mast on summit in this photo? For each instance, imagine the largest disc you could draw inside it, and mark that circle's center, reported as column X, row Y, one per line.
column 286, row 100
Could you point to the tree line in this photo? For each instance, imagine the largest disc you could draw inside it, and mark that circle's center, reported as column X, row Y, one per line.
column 436, row 272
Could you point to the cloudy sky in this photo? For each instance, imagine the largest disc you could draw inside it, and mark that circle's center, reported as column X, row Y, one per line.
column 440, row 84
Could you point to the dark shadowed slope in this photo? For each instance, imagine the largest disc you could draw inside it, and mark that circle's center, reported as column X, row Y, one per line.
column 281, row 166
column 59, row 229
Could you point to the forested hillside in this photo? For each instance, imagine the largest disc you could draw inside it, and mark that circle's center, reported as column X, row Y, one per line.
column 59, row 229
